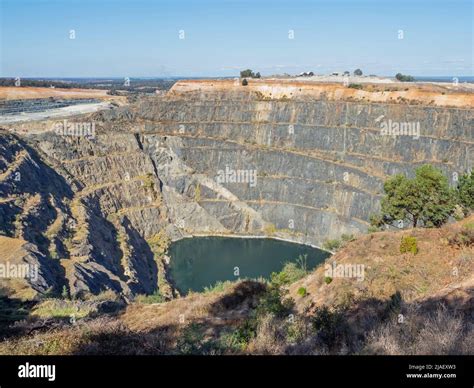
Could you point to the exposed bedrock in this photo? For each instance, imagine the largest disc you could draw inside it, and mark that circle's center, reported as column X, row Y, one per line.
column 320, row 165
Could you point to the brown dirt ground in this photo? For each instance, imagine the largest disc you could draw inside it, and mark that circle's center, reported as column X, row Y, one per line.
column 402, row 93
column 19, row 93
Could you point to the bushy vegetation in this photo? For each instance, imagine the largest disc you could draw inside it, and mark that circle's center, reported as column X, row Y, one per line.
column 404, row 78
column 159, row 242
column 156, row 297
column 248, row 73
column 333, row 245
column 465, row 237
column 302, row 291
column 293, row 272
column 329, row 325
column 218, row 287
column 358, row 72
column 424, row 200
column 355, row 86
column 57, row 308
column 465, row 192
column 409, row 244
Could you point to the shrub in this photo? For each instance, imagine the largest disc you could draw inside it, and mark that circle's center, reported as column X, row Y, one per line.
column 373, row 229
column 218, row 287
column 440, row 331
column 159, row 242
column 465, row 237
column 191, row 340
column 65, row 293
column 274, row 299
column 332, row 245
column 156, row 297
column 197, row 193
column 292, row 272
column 409, row 244
column 302, row 291
column 327, row 279
column 465, row 191
column 330, row 325
column 355, row 86
column 347, row 238
column 244, row 82
column 57, row 308
column 404, row 78
column 269, row 229
column 240, row 337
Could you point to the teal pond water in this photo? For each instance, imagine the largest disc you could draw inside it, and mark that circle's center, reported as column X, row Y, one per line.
column 201, row 262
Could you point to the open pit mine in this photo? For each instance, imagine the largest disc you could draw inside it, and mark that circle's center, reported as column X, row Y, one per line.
column 298, row 161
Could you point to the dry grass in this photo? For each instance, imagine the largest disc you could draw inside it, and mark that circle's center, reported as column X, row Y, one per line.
column 438, row 332
column 438, row 265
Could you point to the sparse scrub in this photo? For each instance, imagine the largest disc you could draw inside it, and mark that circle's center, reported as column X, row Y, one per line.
column 373, row 229
column 197, row 193
column 57, row 308
column 292, row 272
column 156, row 297
column 270, row 229
column 465, row 192
column 332, row 245
column 330, row 326
column 218, row 287
column 159, row 243
column 327, row 279
column 437, row 332
column 465, row 237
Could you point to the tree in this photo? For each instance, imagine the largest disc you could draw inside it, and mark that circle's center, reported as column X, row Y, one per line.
column 426, row 198
column 465, row 191
column 248, row 73
column 358, row 72
column 404, row 78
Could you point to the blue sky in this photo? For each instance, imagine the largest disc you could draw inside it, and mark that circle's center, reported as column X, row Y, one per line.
column 116, row 38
